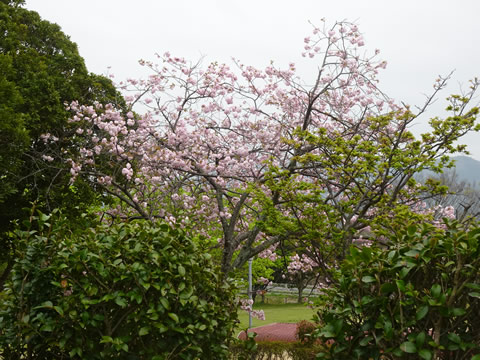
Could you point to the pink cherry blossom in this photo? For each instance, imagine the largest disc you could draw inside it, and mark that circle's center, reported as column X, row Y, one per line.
column 207, row 144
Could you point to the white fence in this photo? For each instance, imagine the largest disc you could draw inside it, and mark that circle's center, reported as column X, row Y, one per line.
column 288, row 289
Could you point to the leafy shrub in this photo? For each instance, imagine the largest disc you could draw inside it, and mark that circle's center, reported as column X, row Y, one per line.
column 418, row 299
column 131, row 291
column 273, row 350
column 304, row 330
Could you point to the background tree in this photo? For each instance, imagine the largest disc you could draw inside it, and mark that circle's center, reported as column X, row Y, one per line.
column 300, row 272
column 40, row 71
column 461, row 195
column 259, row 157
column 263, row 270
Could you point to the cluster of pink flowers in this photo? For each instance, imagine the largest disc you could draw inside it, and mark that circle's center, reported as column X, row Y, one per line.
column 246, row 304
column 301, row 263
column 269, row 253
column 262, row 280
column 198, row 148
column 448, row 212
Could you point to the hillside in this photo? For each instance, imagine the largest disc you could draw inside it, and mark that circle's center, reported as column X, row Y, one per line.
column 468, row 169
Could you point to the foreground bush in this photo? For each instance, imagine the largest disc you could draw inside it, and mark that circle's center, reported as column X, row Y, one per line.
column 131, row 291
column 274, row 350
column 304, row 348
column 419, row 299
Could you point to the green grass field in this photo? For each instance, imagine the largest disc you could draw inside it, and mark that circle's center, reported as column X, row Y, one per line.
column 274, row 313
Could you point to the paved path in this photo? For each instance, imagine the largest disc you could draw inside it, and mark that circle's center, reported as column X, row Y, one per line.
column 273, row 332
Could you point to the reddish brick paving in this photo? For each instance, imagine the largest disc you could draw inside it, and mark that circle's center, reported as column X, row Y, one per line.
column 273, row 332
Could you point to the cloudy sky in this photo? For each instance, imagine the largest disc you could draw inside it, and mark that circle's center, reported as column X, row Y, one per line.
column 420, row 39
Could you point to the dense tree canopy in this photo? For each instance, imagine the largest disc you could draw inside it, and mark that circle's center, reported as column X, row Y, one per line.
column 40, row 70
column 253, row 158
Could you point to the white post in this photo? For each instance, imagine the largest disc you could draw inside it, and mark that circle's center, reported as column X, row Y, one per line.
column 250, row 290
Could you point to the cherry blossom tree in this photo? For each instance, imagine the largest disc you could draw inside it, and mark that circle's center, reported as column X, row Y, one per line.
column 300, row 271
column 252, row 158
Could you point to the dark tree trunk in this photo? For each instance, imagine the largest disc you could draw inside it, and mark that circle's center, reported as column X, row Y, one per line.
column 300, row 287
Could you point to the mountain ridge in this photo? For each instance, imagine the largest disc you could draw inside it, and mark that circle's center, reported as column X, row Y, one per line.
column 467, row 169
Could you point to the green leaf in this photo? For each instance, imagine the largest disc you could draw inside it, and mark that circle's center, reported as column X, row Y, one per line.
column 474, row 294
column 365, row 341
column 59, row 310
column 400, row 285
column 165, row 303
column 436, row 290
column 387, row 328
column 181, row 270
column 328, row 330
column 422, row 312
column 411, row 230
column 328, row 333
column 454, row 338
column 473, row 286
column 420, row 339
column 106, row 339
column 412, row 253
column 120, row 301
column 337, row 326
column 397, row 352
column 46, row 304
column 75, row 351
column 387, row 288
column 173, row 316
column 366, row 300
column 137, row 247
column 476, row 357
column 144, row 330
column 408, row 347
column 368, row 279
column 459, row 311
column 425, row 354
column 47, row 327
column 404, row 272
column 453, row 347
column 161, row 328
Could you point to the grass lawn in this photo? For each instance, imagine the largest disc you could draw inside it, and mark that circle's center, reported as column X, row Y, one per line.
column 274, row 313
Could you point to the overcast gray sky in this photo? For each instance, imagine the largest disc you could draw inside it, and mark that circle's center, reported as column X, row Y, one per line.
column 420, row 39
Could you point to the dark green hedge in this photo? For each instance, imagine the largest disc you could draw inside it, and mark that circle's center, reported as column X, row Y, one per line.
column 272, row 350
column 417, row 299
column 130, row 291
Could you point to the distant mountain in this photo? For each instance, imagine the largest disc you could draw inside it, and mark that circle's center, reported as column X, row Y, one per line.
column 468, row 169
